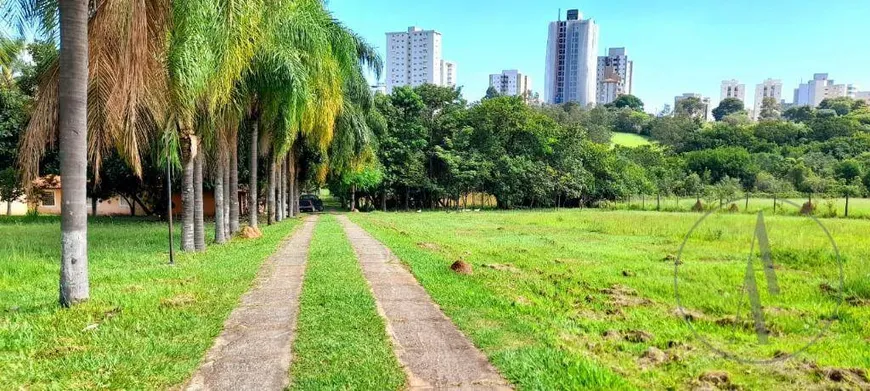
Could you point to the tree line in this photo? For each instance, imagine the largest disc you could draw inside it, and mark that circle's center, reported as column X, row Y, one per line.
column 436, row 149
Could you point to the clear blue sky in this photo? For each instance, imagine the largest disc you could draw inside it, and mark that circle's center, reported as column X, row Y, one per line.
column 677, row 46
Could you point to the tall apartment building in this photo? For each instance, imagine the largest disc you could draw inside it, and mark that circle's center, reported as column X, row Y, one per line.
column 707, row 113
column 414, row 58
column 572, row 53
column 863, row 95
column 511, row 83
column 769, row 88
column 614, row 74
column 733, row 89
column 813, row 92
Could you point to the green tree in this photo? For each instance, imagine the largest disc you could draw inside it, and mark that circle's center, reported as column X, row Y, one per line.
column 629, row 101
column 691, row 107
column 10, row 188
column 842, row 105
column 800, row 114
column 726, row 107
column 770, row 109
column 491, row 93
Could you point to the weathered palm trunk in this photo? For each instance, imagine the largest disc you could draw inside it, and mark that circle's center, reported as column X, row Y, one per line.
column 225, row 163
column 188, row 153
column 270, row 196
column 198, row 209
column 219, row 231
column 282, row 190
column 291, row 174
column 234, row 182
column 252, row 183
column 72, row 119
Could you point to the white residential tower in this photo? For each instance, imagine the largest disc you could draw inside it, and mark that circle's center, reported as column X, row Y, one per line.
column 733, row 89
column 769, row 88
column 572, row 53
column 615, row 73
column 511, row 83
column 414, row 58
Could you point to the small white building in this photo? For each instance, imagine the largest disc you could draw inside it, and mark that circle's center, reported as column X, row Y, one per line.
column 615, row 75
column 414, row 58
column 813, row 92
column 733, row 89
column 511, row 83
column 769, row 88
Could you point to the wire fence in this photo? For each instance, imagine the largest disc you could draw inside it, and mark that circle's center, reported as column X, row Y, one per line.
column 821, row 206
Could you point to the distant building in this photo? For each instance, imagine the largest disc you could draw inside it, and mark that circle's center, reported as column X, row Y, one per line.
column 863, row 95
column 614, row 74
column 733, row 89
column 379, row 88
column 707, row 113
column 572, row 50
column 769, row 88
column 448, row 73
column 414, row 58
column 511, row 83
column 813, row 92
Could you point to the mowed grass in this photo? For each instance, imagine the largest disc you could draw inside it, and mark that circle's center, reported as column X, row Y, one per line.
column 577, row 299
column 146, row 326
column 341, row 341
column 628, row 139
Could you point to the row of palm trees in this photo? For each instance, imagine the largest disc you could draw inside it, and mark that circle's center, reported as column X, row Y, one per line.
column 179, row 78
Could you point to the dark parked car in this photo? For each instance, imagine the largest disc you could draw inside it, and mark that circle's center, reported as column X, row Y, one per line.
column 310, row 203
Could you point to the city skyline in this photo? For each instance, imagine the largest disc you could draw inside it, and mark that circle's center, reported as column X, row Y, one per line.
column 669, row 61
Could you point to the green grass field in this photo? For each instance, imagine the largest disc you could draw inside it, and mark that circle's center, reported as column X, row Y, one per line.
column 576, row 299
column 147, row 325
column 628, row 139
column 341, row 341
column 825, row 207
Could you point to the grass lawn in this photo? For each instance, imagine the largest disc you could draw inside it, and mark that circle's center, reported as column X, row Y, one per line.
column 341, row 341
column 147, row 324
column 576, row 298
column 628, row 139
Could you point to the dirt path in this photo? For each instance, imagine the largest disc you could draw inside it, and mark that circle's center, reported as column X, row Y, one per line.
column 253, row 352
column 433, row 352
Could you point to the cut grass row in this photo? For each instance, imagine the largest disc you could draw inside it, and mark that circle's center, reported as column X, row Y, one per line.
column 147, row 324
column 341, row 341
column 578, row 298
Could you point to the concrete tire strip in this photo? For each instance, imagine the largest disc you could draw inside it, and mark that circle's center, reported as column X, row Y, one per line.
column 253, row 352
column 432, row 351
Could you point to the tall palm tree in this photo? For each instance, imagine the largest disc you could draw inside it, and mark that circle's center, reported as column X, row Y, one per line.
column 72, row 115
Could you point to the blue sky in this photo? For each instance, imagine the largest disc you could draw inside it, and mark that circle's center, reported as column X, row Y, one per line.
column 677, row 46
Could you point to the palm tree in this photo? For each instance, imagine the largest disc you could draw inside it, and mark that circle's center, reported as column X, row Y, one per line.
column 72, row 115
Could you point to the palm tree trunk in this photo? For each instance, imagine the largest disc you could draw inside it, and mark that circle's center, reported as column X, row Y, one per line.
column 219, row 232
column 270, row 196
column 225, row 163
column 252, row 184
column 72, row 119
column 282, row 189
column 234, row 182
column 353, row 198
column 198, row 210
column 93, row 206
column 291, row 171
column 188, row 152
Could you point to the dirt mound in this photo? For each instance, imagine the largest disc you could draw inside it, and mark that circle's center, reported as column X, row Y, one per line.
column 688, row 314
column 714, row 380
column 733, row 208
column 698, row 207
column 623, row 296
column 853, row 376
column 637, row 336
column 652, row 357
column 428, row 246
column 808, row 208
column 462, row 267
column 249, row 232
